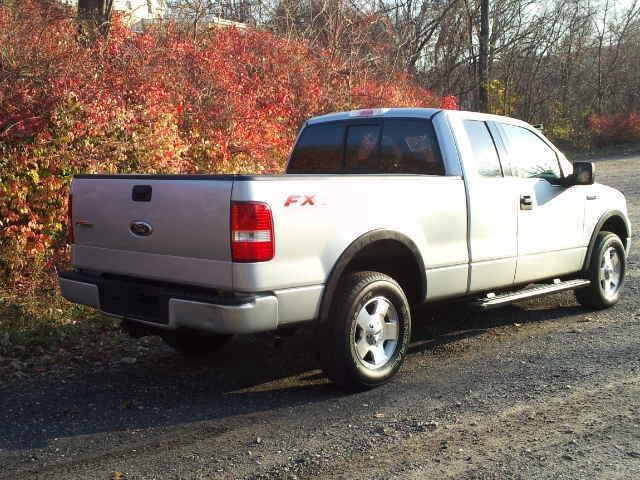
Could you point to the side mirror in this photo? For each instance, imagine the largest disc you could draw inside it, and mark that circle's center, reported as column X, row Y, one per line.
column 583, row 173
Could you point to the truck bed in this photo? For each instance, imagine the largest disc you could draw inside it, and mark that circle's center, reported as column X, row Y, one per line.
column 190, row 242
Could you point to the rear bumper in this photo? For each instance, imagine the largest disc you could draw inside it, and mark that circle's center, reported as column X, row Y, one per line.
column 259, row 314
column 176, row 307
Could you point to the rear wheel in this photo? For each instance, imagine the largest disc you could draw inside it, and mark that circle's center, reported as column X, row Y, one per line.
column 365, row 340
column 606, row 272
column 194, row 343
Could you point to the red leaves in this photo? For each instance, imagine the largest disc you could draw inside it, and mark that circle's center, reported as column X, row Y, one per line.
column 449, row 102
column 153, row 102
column 615, row 128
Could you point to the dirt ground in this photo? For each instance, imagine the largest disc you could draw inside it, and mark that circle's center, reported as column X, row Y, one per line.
column 542, row 389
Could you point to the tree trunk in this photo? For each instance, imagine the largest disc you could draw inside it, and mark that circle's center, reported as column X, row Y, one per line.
column 96, row 12
column 483, row 58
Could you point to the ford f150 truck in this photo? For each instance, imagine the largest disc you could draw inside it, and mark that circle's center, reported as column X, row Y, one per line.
column 379, row 210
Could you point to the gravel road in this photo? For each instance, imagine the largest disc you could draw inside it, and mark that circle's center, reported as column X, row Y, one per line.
column 541, row 389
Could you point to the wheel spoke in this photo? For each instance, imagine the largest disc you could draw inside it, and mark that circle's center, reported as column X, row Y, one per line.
column 379, row 357
column 382, row 307
column 607, row 260
column 362, row 347
column 390, row 331
column 363, row 320
column 615, row 262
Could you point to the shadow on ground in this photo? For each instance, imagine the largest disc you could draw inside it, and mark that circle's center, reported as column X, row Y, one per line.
column 251, row 375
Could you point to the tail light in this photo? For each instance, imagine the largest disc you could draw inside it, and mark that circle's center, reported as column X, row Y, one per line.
column 252, row 237
column 70, row 236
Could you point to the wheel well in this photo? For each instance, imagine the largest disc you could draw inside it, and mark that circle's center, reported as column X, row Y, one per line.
column 616, row 225
column 612, row 221
column 392, row 258
column 384, row 251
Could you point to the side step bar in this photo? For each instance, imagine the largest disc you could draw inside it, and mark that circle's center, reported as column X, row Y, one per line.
column 492, row 300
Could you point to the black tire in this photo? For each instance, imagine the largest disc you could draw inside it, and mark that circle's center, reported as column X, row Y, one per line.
column 194, row 344
column 596, row 295
column 337, row 337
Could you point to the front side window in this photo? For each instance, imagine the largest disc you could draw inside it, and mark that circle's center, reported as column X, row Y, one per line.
column 529, row 155
column 483, row 149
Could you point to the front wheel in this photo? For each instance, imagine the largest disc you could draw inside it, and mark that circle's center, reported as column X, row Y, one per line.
column 606, row 272
column 365, row 340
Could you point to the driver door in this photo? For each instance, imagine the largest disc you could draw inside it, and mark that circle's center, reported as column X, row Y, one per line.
column 550, row 215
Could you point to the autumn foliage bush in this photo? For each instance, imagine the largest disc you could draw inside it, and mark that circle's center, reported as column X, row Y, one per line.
column 615, row 129
column 155, row 102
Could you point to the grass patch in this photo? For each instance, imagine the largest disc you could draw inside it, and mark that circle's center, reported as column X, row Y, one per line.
column 45, row 323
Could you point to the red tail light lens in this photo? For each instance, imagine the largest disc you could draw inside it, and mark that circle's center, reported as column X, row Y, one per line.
column 252, row 238
column 70, row 236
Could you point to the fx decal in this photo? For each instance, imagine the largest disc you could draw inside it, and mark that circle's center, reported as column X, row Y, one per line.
column 298, row 200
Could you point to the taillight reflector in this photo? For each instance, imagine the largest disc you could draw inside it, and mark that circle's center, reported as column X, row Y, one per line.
column 70, row 236
column 252, row 238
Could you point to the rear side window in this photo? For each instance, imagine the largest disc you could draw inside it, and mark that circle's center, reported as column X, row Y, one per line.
column 529, row 155
column 377, row 146
column 319, row 149
column 484, row 150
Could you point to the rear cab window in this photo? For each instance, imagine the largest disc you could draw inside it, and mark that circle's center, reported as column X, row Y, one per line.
column 319, row 149
column 361, row 149
column 394, row 146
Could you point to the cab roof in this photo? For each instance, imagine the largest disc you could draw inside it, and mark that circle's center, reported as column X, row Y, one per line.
column 426, row 113
column 375, row 113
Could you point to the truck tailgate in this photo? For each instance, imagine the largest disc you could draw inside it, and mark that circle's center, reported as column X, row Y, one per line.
column 174, row 229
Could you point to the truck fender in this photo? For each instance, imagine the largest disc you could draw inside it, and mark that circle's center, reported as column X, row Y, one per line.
column 352, row 251
column 606, row 216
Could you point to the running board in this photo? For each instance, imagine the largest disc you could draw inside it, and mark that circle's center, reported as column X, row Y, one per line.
column 492, row 300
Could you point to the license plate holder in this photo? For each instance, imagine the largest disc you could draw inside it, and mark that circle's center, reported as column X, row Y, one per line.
column 134, row 300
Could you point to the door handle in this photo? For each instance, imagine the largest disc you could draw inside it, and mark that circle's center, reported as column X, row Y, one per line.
column 526, row 203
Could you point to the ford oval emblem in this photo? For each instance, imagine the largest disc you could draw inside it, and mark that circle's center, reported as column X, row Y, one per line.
column 141, row 229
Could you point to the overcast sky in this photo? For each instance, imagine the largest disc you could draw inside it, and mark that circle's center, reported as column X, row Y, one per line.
column 621, row 4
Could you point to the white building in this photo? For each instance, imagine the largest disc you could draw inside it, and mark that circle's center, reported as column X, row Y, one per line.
column 139, row 14
column 135, row 11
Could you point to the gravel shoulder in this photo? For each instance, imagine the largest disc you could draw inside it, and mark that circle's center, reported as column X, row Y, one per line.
column 541, row 389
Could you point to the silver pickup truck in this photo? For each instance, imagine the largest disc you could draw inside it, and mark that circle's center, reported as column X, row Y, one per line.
column 380, row 210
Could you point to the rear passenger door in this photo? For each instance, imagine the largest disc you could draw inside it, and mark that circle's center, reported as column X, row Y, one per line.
column 493, row 214
column 550, row 215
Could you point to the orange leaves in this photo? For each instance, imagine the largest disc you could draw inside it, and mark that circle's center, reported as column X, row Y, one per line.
column 615, row 128
column 154, row 102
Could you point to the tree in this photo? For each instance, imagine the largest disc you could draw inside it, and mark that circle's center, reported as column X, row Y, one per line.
column 483, row 58
column 96, row 13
